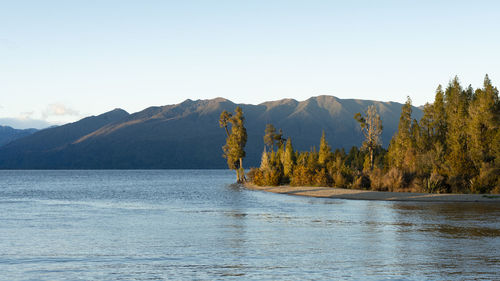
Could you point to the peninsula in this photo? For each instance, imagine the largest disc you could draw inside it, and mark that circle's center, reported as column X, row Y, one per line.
column 454, row 148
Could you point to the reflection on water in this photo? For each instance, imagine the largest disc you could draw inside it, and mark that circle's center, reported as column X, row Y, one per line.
column 453, row 220
column 157, row 225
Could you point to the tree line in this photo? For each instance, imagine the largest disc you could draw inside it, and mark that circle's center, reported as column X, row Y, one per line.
column 454, row 147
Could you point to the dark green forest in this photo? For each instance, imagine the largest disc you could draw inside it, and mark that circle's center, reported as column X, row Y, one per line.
column 454, row 147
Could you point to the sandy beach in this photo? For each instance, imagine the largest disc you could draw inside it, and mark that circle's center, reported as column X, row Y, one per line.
column 341, row 193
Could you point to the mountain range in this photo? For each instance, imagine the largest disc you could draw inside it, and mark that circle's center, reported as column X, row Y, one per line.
column 187, row 135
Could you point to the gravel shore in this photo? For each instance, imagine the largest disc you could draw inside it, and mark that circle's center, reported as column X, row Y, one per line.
column 341, row 193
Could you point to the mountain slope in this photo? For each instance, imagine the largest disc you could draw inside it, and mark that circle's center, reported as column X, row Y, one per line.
column 8, row 134
column 45, row 149
column 187, row 135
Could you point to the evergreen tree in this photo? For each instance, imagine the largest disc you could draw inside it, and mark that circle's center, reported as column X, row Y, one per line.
column 439, row 133
column 312, row 159
column 355, row 159
column 416, row 146
column 324, row 151
column 278, row 138
column 224, row 119
column 424, row 139
column 400, row 148
column 483, row 123
column 265, row 163
column 280, row 157
column 269, row 136
column 457, row 160
column 289, row 159
column 231, row 154
column 483, row 129
column 426, row 134
column 496, row 152
column 439, row 124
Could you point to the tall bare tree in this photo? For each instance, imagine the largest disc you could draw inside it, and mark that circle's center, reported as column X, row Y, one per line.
column 371, row 126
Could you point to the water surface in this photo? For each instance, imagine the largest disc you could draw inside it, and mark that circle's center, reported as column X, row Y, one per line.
column 178, row 224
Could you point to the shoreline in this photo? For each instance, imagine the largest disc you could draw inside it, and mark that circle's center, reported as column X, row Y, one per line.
column 356, row 194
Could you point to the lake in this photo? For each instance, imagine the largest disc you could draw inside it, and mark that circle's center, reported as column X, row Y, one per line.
column 195, row 224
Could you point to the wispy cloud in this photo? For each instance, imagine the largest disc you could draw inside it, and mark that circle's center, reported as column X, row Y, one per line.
column 19, row 123
column 26, row 115
column 58, row 109
column 53, row 114
column 25, row 120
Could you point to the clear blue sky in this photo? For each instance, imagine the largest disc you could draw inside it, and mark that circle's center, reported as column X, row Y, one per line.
column 62, row 60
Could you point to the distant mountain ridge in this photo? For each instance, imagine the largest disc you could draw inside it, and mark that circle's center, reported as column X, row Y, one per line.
column 8, row 134
column 187, row 135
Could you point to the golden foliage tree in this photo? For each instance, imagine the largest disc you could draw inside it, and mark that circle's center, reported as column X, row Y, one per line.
column 234, row 149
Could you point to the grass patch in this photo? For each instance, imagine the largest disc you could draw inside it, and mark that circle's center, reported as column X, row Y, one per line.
column 491, row 196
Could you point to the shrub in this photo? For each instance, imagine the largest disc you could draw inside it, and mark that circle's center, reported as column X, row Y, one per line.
column 393, row 180
column 435, row 183
column 458, row 184
column 496, row 189
column 321, row 178
column 486, row 180
column 339, row 180
column 361, row 181
column 302, row 176
column 272, row 177
column 256, row 176
column 376, row 180
column 417, row 185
